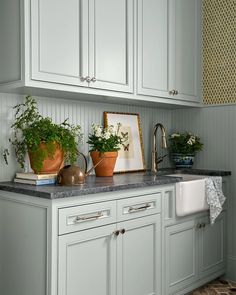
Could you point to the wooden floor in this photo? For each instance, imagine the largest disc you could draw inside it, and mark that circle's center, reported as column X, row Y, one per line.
column 217, row 287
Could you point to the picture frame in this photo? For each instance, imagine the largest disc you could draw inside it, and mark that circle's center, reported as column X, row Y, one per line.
column 131, row 156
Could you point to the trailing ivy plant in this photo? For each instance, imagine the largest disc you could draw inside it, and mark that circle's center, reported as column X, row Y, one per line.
column 30, row 129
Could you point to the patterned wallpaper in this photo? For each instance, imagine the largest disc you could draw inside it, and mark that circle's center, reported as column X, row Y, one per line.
column 219, row 51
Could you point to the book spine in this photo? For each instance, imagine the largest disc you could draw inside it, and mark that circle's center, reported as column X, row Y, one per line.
column 45, row 181
column 35, row 176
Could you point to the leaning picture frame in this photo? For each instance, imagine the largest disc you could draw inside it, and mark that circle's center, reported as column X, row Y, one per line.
column 131, row 155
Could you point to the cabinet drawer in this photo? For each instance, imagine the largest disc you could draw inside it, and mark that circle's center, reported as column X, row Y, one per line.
column 86, row 216
column 138, row 206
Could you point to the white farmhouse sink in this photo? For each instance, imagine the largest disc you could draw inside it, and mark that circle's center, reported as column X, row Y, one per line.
column 190, row 194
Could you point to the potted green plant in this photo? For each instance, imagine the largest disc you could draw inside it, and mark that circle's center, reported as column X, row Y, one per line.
column 48, row 144
column 105, row 142
column 183, row 147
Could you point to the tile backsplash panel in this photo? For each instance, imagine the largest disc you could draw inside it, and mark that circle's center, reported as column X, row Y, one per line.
column 83, row 113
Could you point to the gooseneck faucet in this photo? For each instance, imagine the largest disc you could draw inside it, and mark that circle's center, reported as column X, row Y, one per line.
column 155, row 159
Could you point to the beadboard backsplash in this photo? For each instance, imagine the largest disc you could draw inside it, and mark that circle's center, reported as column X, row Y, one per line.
column 83, row 113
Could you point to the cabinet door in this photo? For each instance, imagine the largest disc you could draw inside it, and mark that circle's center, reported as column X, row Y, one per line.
column 87, row 262
column 180, row 256
column 139, row 257
column 111, row 44
column 212, row 246
column 152, row 47
column 59, row 41
column 185, row 48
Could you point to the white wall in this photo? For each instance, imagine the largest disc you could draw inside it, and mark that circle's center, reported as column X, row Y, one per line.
column 217, row 128
column 82, row 113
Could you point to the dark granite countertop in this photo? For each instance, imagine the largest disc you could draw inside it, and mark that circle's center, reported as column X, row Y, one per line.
column 166, row 171
column 95, row 185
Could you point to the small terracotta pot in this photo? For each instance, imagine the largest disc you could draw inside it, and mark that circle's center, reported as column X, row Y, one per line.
column 106, row 167
column 52, row 164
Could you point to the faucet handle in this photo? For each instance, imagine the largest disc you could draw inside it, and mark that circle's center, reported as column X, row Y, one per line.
column 160, row 159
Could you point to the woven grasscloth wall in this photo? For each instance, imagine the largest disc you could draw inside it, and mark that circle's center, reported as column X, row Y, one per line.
column 219, row 51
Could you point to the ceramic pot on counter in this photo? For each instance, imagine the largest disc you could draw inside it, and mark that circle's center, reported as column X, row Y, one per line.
column 51, row 164
column 106, row 167
column 183, row 161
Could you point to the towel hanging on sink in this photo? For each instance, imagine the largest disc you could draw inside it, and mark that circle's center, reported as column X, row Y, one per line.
column 214, row 195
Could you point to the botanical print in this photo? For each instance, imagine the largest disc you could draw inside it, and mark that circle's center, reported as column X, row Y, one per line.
column 131, row 155
column 127, row 149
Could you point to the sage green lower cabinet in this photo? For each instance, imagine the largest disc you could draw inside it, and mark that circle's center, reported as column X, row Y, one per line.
column 124, row 243
column 87, row 262
column 139, row 257
column 180, row 256
column 212, row 246
column 194, row 253
column 96, row 261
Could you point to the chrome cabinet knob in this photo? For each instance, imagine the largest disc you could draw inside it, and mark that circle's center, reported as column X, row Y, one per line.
column 116, row 232
column 93, row 79
column 82, row 79
column 176, row 92
column 198, row 226
column 88, row 79
column 172, row 92
column 122, row 231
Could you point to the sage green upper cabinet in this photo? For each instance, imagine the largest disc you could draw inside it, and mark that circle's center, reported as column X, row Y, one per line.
column 128, row 51
column 59, row 36
column 169, row 48
column 152, row 48
column 111, row 44
column 83, row 43
column 185, row 49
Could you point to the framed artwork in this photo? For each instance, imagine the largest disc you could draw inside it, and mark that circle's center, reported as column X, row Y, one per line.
column 131, row 155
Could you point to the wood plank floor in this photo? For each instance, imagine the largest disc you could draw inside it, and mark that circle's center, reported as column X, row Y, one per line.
column 217, row 287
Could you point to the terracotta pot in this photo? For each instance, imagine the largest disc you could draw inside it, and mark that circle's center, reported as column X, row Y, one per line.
column 52, row 164
column 106, row 167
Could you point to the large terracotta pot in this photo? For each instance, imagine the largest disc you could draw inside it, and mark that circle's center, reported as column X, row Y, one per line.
column 51, row 165
column 106, row 167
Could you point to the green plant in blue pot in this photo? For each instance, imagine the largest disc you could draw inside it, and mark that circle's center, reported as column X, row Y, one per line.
column 183, row 147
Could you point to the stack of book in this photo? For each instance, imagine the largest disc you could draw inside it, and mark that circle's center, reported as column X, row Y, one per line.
column 35, row 179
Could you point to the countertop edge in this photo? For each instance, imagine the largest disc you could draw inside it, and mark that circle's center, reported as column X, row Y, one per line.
column 71, row 191
column 119, row 182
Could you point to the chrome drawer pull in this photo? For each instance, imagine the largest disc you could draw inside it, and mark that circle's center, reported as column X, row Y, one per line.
column 78, row 218
column 142, row 208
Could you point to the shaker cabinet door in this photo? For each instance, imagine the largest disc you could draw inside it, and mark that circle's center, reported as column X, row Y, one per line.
column 153, row 47
column 169, row 49
column 212, row 246
column 111, row 44
column 180, row 256
column 87, row 262
column 185, row 49
column 139, row 257
column 59, row 41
